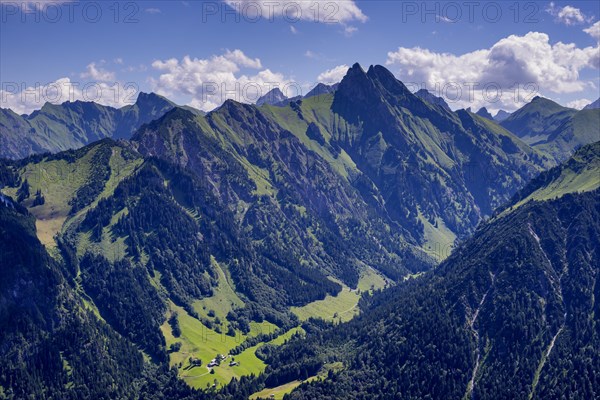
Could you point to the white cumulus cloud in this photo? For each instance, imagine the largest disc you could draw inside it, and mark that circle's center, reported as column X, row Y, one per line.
column 510, row 71
column 333, row 75
column 579, row 103
column 594, row 31
column 97, row 73
column 211, row 81
column 567, row 15
column 349, row 31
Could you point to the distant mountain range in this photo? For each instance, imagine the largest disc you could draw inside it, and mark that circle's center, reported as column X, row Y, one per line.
column 501, row 115
column 554, row 129
column 275, row 97
column 322, row 88
column 72, row 125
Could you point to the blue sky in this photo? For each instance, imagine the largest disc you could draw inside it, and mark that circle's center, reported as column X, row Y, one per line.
column 201, row 52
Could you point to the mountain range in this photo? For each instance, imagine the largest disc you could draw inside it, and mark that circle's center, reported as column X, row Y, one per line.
column 153, row 237
column 275, row 97
column 72, row 125
column 552, row 128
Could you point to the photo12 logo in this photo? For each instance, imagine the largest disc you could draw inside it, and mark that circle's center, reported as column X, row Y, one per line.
column 490, row 92
column 253, row 11
column 248, row 92
column 126, row 12
column 470, row 11
column 66, row 90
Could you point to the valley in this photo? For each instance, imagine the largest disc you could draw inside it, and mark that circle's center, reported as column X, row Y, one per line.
column 300, row 248
column 299, row 200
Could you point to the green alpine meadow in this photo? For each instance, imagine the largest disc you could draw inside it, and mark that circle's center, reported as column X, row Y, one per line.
column 181, row 219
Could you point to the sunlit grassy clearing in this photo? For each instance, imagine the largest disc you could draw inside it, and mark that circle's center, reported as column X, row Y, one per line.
column 344, row 306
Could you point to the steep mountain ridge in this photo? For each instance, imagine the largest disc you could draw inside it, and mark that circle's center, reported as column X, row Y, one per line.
column 414, row 141
column 431, row 98
column 594, row 105
column 577, row 175
column 370, row 166
column 262, row 172
column 370, row 124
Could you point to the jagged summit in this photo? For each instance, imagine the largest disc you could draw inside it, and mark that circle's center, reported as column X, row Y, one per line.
column 501, row 115
column 152, row 100
column 356, row 67
column 483, row 112
column 273, row 97
column 320, row 89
